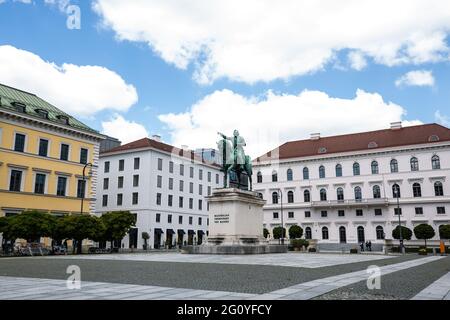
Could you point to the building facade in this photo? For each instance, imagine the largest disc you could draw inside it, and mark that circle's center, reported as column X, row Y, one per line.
column 349, row 189
column 163, row 186
column 42, row 155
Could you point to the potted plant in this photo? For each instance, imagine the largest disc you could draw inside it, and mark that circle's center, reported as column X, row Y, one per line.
column 145, row 236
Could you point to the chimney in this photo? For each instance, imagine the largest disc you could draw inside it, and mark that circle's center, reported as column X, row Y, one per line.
column 156, row 137
column 396, row 125
column 315, row 136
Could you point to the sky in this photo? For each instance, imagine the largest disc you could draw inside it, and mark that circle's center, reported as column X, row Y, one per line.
column 275, row 70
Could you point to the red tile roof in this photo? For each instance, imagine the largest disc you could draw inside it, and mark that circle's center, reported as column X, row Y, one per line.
column 421, row 134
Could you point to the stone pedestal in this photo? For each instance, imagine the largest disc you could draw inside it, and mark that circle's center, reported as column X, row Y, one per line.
column 235, row 225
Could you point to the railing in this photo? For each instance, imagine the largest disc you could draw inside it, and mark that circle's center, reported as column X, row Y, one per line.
column 350, row 202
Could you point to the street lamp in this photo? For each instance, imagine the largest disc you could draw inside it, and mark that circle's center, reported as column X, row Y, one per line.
column 280, row 196
column 397, row 195
column 84, row 183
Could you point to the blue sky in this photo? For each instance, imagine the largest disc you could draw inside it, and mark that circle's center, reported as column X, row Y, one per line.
column 163, row 85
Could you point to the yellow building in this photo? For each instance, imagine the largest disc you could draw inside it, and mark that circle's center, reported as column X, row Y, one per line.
column 43, row 152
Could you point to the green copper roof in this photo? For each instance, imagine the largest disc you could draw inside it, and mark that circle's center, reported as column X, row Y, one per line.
column 8, row 96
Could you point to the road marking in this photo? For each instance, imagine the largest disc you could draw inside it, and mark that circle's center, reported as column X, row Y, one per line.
column 438, row 290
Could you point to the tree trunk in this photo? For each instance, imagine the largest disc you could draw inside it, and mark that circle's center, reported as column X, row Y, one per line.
column 425, row 243
column 79, row 246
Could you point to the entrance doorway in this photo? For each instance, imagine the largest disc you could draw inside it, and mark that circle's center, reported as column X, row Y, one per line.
column 361, row 236
column 200, row 234
column 133, row 238
column 342, row 235
column 157, row 238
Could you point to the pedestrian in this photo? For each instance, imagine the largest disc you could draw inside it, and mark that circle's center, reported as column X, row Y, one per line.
column 370, row 245
column 362, row 246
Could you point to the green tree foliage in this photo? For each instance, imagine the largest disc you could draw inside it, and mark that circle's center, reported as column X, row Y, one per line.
column 406, row 233
column 30, row 225
column 424, row 231
column 146, row 236
column 279, row 232
column 444, row 231
column 117, row 224
column 80, row 227
column 295, row 232
column 266, row 233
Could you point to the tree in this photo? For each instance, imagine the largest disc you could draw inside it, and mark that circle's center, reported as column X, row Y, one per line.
column 30, row 225
column 424, row 231
column 80, row 227
column 295, row 232
column 279, row 232
column 444, row 231
column 117, row 224
column 406, row 233
column 266, row 233
column 145, row 236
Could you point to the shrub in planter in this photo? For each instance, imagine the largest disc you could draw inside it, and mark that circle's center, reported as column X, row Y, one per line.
column 353, row 250
column 423, row 252
column 312, row 250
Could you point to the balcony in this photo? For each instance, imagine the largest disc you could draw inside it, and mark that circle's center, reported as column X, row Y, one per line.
column 350, row 203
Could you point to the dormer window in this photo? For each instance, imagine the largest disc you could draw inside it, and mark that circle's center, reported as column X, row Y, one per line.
column 322, row 150
column 433, row 138
column 42, row 113
column 19, row 106
column 372, row 145
column 63, row 119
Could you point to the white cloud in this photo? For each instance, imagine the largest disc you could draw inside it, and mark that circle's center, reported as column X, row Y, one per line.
column 78, row 90
column 274, row 119
column 442, row 119
column 124, row 130
column 357, row 60
column 420, row 78
column 263, row 40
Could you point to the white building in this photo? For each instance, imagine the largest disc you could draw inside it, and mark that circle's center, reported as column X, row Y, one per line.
column 163, row 185
column 339, row 189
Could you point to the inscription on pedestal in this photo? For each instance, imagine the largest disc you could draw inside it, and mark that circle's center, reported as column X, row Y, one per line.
column 221, row 218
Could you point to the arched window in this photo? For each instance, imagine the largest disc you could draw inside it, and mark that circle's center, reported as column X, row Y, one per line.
column 289, row 175
column 260, row 195
column 438, row 189
column 274, row 176
column 342, row 235
column 417, row 190
column 435, row 162
column 414, row 164
column 338, row 170
column 376, row 192
column 323, row 195
column 306, row 196
column 380, row 233
column 361, row 235
column 358, row 194
column 356, row 170
column 396, row 191
column 274, row 197
column 259, row 177
column 308, row 233
column 290, row 197
column 305, row 173
column 325, row 233
column 321, row 172
column 340, row 194
column 394, row 166
column 374, row 166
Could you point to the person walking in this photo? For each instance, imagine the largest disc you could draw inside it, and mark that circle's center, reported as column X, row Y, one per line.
column 370, row 245
column 362, row 246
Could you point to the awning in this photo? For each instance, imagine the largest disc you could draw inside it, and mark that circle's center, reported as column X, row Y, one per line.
column 201, row 232
column 191, row 232
column 157, row 230
column 170, row 231
column 181, row 231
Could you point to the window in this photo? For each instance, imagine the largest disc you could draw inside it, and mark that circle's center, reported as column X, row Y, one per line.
column 435, row 162
column 180, row 219
column 180, row 202
column 181, row 185
column 171, row 167
column 158, row 217
column 200, row 174
column 170, row 183
column 305, row 173
column 209, row 176
column 356, row 169
column 191, row 203
column 135, row 198
column 191, row 187
column 290, row 197
column 209, row 190
column 341, row 213
column 136, row 180
column 290, row 215
column 358, row 194
column 323, row 213
column 200, row 189
column 199, row 221
column 119, row 199
column 325, row 233
column 159, row 181
column 19, row 143
column 307, row 196
column 160, row 164
column 394, row 166
column 376, row 192
column 359, row 212
column 361, row 235
column 259, row 177
column 170, row 200
column 321, row 172
column 374, row 167
column 274, row 176
column 83, row 155
column 380, row 233
column 181, row 169
column 61, row 186
column 438, row 189
column 106, row 168
column 64, row 152
column 398, row 211
column 137, row 163
column 217, row 178
column 39, row 183
column 419, row 210
column 417, row 190
column 105, row 200
column 307, row 214
column 81, row 189
column 15, row 181
column 338, row 170
column 169, row 218
column 274, row 197
column 414, row 164
column 42, row 113
column 121, row 165
column 289, row 175
column 323, row 195
column 396, row 191
column 440, row 210
column 340, row 194
column 342, row 235
column 200, row 205
column 158, row 199
column 190, row 220
column 308, row 233
column 378, row 212
column 43, row 147
column 105, row 183
column 120, row 182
